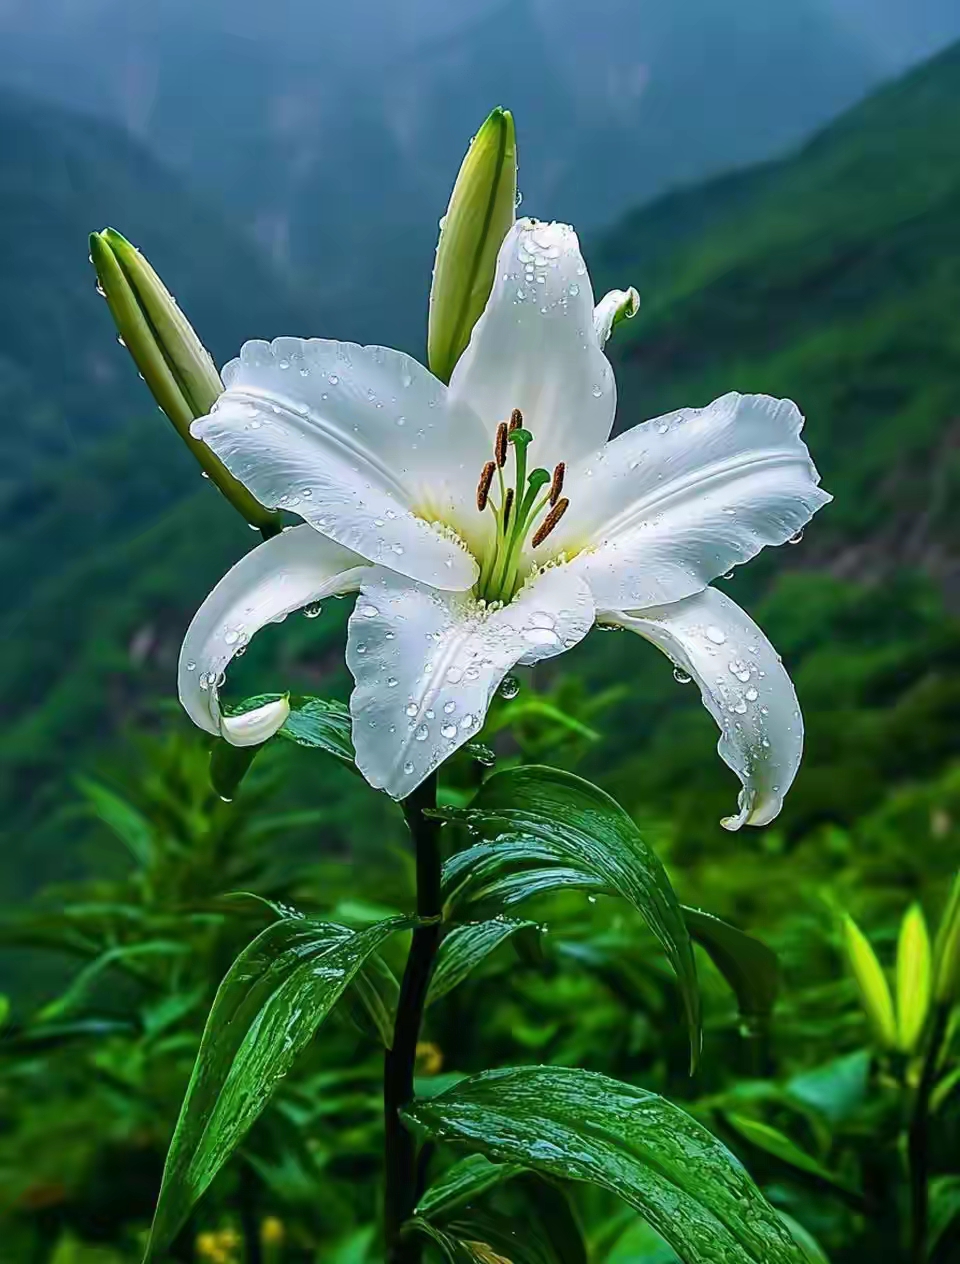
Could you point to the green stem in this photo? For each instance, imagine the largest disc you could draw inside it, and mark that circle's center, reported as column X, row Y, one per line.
column 402, row 1176
column 918, row 1141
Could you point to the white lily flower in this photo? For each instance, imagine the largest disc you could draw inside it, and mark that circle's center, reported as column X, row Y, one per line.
column 492, row 522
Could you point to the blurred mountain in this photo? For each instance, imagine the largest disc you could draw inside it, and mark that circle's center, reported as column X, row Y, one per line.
column 62, row 383
column 334, row 132
column 832, row 276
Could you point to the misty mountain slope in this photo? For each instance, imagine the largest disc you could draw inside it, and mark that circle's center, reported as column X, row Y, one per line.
column 335, row 139
column 62, row 381
column 832, row 277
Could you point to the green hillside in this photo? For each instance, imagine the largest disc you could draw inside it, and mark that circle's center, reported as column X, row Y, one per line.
column 832, row 276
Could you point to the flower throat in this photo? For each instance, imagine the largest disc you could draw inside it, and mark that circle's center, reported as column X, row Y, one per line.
column 516, row 509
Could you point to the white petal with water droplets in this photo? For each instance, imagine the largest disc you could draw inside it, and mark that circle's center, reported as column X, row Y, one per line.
column 255, row 726
column 670, row 505
column 744, row 687
column 534, row 348
column 427, row 663
column 362, row 442
column 281, row 575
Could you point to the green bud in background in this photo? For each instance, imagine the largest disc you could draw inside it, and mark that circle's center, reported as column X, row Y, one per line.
column 481, row 212
column 946, row 954
column 871, row 983
column 914, row 978
column 171, row 358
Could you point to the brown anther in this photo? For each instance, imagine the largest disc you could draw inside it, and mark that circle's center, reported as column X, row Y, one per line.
column 516, row 419
column 556, row 487
column 500, row 445
column 551, row 520
column 483, row 487
column 507, row 506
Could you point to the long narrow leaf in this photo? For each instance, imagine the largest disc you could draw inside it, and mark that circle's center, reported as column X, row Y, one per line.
column 464, row 949
column 275, row 995
column 539, row 829
column 581, row 1126
column 747, row 964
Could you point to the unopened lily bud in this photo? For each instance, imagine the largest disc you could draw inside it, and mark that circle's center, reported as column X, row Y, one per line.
column 251, row 728
column 481, row 212
column 947, row 950
column 871, row 984
column 171, row 358
column 914, row 974
column 272, row 1232
column 614, row 307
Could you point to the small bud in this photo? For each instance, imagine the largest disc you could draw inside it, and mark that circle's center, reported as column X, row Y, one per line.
column 913, row 978
column 481, row 212
column 251, row 728
column 614, row 307
column 871, row 984
column 171, row 358
column 946, row 952
column 483, row 488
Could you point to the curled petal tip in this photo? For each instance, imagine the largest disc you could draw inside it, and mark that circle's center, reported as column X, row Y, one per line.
column 257, row 726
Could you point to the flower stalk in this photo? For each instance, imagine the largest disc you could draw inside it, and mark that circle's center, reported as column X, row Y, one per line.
column 404, row 1173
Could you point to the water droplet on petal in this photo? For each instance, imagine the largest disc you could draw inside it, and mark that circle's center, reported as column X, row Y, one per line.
column 715, row 634
column 509, row 687
column 313, row 611
column 369, row 612
column 681, row 677
column 408, row 767
column 795, row 539
column 422, row 733
column 449, row 731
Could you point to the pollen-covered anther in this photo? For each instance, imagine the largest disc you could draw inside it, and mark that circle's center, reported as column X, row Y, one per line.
column 483, row 487
column 551, row 520
column 500, row 445
column 556, row 487
column 507, row 507
column 516, row 419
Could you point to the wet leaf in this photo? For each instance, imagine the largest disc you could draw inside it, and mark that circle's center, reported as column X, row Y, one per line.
column 749, row 966
column 273, row 998
column 540, row 829
column 465, row 947
column 581, row 1126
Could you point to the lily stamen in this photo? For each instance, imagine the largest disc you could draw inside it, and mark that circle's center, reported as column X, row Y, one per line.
column 483, row 487
column 556, row 487
column 516, row 419
column 551, row 520
column 500, row 446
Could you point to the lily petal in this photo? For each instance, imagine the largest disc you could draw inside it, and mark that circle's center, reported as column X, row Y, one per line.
column 670, row 505
column 254, row 727
column 744, row 686
column 362, row 442
column 427, row 663
column 291, row 570
column 534, row 348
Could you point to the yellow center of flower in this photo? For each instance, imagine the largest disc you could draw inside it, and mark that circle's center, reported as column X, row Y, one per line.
column 529, row 507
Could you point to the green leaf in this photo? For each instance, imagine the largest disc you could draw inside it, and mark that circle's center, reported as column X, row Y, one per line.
column 122, row 818
column 837, row 1089
column 455, row 1250
column 322, row 724
column 121, row 956
column 462, row 1183
column 778, row 1144
column 274, row 996
column 377, row 992
column 581, row 1126
column 944, row 1206
column 229, row 765
column 464, row 949
column 749, row 966
column 813, row 1252
column 541, row 829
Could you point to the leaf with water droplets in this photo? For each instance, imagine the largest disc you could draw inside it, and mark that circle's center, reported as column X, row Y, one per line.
column 539, row 829
column 465, row 947
column 272, row 1000
column 581, row 1126
column 470, row 1177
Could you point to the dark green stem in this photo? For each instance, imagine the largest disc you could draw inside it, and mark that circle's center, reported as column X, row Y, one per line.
column 402, row 1175
column 918, row 1143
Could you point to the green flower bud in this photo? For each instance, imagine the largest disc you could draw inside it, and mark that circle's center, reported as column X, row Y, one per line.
column 171, row 358
column 481, row 212
column 914, row 976
column 871, row 983
column 946, row 953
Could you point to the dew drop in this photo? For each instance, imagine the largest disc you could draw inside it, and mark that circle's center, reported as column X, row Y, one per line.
column 715, row 634
column 313, row 611
column 449, row 731
column 369, row 612
column 795, row 539
column 422, row 733
column 681, row 677
column 408, row 767
column 412, row 709
column 509, row 687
